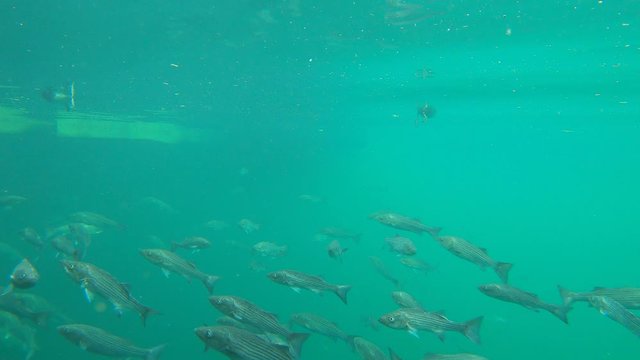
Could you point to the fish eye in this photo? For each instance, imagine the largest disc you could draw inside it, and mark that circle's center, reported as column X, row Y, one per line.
column 391, row 318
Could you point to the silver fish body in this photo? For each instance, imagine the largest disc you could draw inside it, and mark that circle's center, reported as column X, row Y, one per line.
column 298, row 280
column 170, row 262
column 627, row 297
column 368, row 350
column 95, row 280
column 405, row 300
column 98, row 341
column 616, row 312
column 239, row 344
column 402, row 222
column 529, row 300
column 414, row 319
column 474, row 254
column 401, row 245
column 319, row 325
column 193, row 243
column 249, row 313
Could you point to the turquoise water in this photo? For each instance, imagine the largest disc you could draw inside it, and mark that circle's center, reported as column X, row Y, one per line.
column 534, row 154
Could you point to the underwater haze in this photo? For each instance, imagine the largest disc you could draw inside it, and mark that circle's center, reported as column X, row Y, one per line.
column 272, row 128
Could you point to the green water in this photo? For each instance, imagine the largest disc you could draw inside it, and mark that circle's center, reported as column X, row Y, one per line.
column 534, row 154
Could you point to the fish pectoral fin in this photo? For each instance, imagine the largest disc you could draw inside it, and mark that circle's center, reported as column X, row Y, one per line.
column 166, row 272
column 83, row 345
column 316, row 291
column 440, row 335
column 118, row 309
column 413, row 331
column 88, row 295
column 296, row 289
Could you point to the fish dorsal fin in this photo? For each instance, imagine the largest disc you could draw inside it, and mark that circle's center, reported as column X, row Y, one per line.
column 440, row 313
column 484, row 250
column 531, row 294
column 192, row 265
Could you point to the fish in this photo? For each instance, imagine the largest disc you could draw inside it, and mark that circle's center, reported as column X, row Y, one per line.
column 616, row 312
column 248, row 226
column 98, row 341
column 9, row 201
column 26, row 306
column 170, row 262
column 31, row 236
column 461, row 356
column 627, row 296
column 401, row 245
column 216, row 225
column 474, row 254
column 94, row 280
column 269, row 249
column 333, row 232
column 405, row 300
column 298, row 280
column 229, row 321
column 250, row 314
column 23, row 276
column 417, row 264
column 367, row 350
column 336, row 251
column 320, row 325
column 402, row 222
column 73, row 229
column 194, row 243
column 382, row 270
column 239, row 344
column 95, row 219
column 67, row 247
column 414, row 319
column 529, row 300
column 16, row 336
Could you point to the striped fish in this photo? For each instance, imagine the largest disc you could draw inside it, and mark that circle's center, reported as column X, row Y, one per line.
column 239, row 344
column 170, row 262
column 98, row 341
column 529, row 300
column 250, row 314
column 477, row 255
column 627, row 297
column 368, row 350
column 413, row 319
column 616, row 312
column 94, row 280
column 402, row 222
column 405, row 300
column 319, row 325
column 297, row 280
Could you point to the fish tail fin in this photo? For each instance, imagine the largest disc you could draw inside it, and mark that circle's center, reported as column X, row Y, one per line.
column 502, row 269
column 341, row 291
column 154, row 353
column 566, row 295
column 434, row 231
column 560, row 312
column 145, row 312
column 209, row 281
column 472, row 329
column 295, row 343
